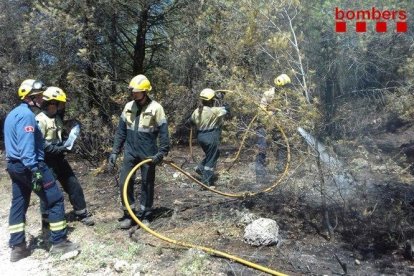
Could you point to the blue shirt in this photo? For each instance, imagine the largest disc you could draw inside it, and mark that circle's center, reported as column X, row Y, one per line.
column 23, row 138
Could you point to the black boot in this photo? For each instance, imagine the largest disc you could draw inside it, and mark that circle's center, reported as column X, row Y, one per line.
column 19, row 252
column 85, row 218
column 64, row 247
column 125, row 215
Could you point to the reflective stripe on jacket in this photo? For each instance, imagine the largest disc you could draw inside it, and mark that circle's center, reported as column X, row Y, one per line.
column 139, row 128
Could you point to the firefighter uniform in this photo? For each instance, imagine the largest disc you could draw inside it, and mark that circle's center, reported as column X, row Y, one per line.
column 208, row 121
column 51, row 128
column 261, row 132
column 138, row 130
column 24, row 154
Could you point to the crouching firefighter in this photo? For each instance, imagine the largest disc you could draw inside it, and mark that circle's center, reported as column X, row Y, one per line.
column 51, row 126
column 28, row 172
column 142, row 122
column 208, row 121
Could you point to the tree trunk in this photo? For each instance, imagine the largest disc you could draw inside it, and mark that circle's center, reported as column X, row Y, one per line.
column 139, row 48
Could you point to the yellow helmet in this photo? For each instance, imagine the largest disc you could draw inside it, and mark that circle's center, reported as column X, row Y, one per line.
column 54, row 93
column 282, row 80
column 207, row 94
column 140, row 83
column 30, row 87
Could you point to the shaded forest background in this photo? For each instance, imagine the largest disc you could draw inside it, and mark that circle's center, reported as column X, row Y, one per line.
column 91, row 49
column 351, row 90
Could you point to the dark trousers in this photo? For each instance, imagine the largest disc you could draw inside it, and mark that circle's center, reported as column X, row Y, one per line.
column 147, row 183
column 50, row 194
column 262, row 145
column 209, row 142
column 70, row 183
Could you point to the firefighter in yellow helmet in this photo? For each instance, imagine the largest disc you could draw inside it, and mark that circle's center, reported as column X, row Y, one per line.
column 28, row 172
column 51, row 126
column 267, row 109
column 208, row 121
column 141, row 124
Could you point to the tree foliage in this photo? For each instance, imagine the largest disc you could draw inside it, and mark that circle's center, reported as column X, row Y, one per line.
column 92, row 49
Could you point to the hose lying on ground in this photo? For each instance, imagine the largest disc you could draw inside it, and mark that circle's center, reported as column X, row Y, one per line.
column 208, row 250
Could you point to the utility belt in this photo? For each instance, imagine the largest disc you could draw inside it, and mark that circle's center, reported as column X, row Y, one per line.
column 208, row 130
column 41, row 163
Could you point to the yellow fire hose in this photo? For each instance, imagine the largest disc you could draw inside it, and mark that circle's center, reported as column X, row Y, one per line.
column 236, row 195
column 208, row 250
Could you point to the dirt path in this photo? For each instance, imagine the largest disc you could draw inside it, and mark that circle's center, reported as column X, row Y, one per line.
column 185, row 212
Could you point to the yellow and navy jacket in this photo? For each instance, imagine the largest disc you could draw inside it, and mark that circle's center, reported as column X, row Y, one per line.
column 267, row 98
column 51, row 128
column 211, row 118
column 139, row 127
column 23, row 138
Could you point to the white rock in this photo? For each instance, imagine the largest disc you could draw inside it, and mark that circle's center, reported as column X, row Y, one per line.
column 262, row 231
column 120, row 265
column 69, row 255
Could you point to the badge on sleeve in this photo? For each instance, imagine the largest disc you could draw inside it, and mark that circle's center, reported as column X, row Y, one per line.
column 28, row 129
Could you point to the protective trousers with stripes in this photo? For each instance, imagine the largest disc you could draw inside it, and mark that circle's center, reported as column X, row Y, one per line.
column 63, row 172
column 50, row 194
column 209, row 142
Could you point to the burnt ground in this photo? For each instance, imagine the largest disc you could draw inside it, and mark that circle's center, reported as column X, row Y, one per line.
column 370, row 223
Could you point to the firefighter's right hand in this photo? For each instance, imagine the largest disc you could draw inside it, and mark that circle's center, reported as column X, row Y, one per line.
column 37, row 179
column 112, row 160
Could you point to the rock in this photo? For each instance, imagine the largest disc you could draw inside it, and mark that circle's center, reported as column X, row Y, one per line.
column 262, row 231
column 357, row 262
column 120, row 265
column 69, row 255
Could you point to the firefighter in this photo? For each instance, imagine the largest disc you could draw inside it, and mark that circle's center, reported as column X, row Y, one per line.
column 208, row 121
column 28, row 172
column 51, row 126
column 142, row 122
column 266, row 106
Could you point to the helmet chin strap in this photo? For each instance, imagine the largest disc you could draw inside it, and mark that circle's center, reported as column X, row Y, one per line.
column 33, row 102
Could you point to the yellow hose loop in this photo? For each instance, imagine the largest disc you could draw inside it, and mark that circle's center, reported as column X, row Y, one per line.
column 208, row 250
column 247, row 193
column 234, row 159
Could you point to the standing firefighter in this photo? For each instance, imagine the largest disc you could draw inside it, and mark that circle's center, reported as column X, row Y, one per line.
column 266, row 106
column 51, row 126
column 142, row 122
column 208, row 120
column 28, row 172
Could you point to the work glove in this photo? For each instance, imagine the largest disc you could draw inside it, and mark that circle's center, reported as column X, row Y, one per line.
column 112, row 160
column 219, row 95
column 37, row 179
column 227, row 108
column 157, row 159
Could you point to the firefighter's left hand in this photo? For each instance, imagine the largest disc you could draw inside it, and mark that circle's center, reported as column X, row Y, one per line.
column 37, row 179
column 157, row 159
